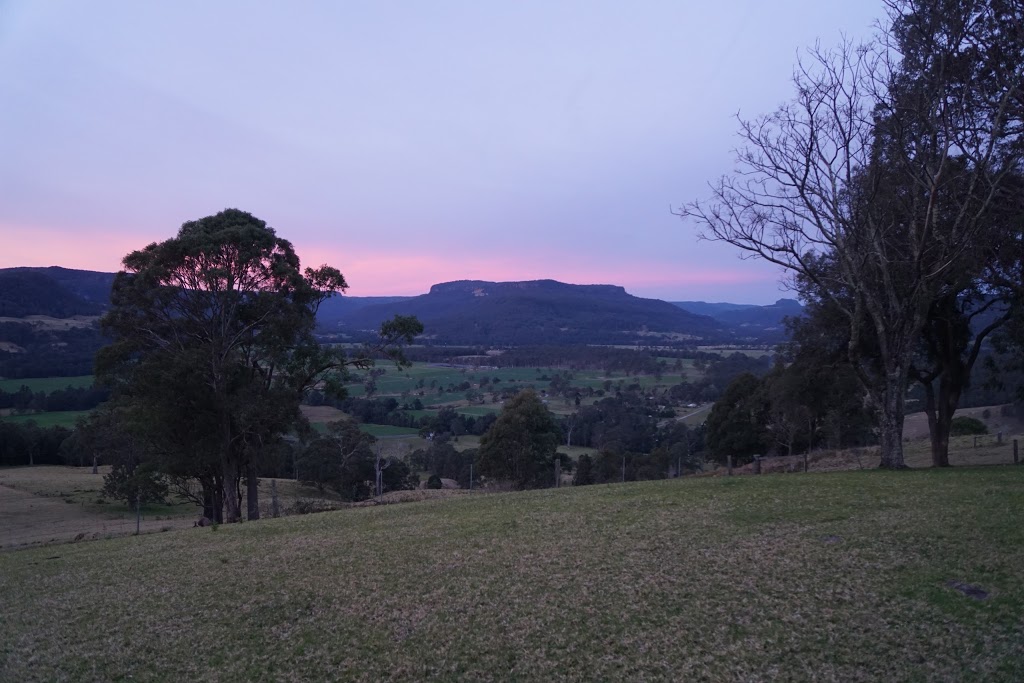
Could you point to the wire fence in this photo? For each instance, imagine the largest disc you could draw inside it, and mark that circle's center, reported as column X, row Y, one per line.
column 30, row 520
column 37, row 509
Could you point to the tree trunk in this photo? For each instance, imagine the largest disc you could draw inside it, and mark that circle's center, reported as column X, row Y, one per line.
column 209, row 509
column 218, row 501
column 232, row 495
column 252, row 491
column 890, row 427
column 949, row 398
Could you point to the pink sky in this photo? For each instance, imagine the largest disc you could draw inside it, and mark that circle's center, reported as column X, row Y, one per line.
column 406, row 145
column 382, row 272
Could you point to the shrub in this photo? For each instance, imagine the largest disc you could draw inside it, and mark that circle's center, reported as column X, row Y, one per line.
column 141, row 484
column 434, row 482
column 966, row 426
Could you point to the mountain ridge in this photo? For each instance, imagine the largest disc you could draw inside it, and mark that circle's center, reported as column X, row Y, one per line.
column 459, row 311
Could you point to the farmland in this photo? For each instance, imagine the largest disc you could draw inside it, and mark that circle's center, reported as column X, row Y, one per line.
column 848, row 576
column 47, row 384
column 61, row 418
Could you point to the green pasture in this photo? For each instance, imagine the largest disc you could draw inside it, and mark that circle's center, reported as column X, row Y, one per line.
column 852, row 576
column 46, row 384
column 63, row 418
column 386, row 431
column 395, row 382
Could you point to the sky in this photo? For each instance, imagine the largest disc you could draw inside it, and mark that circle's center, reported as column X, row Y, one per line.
column 406, row 143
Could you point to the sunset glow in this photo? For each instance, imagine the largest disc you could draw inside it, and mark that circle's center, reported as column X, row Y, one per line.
column 451, row 141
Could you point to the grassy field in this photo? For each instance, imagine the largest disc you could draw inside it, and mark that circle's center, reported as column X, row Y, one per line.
column 51, row 504
column 47, row 384
column 64, row 418
column 387, row 431
column 851, row 576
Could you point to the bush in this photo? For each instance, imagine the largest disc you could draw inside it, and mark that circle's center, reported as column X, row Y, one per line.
column 142, row 484
column 434, row 482
column 966, row 426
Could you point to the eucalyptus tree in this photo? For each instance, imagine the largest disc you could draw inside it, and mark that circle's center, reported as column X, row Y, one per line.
column 213, row 338
column 521, row 444
column 890, row 161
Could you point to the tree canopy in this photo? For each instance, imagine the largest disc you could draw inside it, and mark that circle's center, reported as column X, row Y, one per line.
column 213, row 343
column 520, row 446
column 893, row 164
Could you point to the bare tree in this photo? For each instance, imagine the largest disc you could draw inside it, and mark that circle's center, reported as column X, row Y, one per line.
column 884, row 167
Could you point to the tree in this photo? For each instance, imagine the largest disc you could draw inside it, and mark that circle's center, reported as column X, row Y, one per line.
column 521, row 444
column 889, row 161
column 342, row 460
column 735, row 425
column 584, row 471
column 223, row 316
column 137, row 484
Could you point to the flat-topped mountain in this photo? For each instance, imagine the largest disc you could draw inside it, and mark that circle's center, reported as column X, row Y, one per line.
column 459, row 312
column 539, row 311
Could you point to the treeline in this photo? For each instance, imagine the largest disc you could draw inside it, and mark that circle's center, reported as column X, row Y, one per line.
column 68, row 398
column 25, row 443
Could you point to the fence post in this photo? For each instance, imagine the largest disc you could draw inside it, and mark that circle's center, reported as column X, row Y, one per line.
column 558, row 472
column 975, row 442
column 728, row 463
column 138, row 514
column 757, row 464
column 275, row 510
column 470, row 476
column 1016, row 459
column 999, row 438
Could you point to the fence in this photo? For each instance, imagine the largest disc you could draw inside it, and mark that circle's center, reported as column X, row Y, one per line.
column 967, row 451
column 36, row 508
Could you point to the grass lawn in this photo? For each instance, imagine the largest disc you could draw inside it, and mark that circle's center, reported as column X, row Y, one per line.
column 839, row 577
column 46, row 384
column 63, row 418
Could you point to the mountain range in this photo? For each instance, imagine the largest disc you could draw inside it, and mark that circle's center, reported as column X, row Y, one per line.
column 461, row 312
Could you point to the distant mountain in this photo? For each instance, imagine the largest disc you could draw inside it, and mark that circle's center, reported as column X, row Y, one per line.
column 339, row 308
column 539, row 312
column 460, row 312
column 56, row 292
column 762, row 322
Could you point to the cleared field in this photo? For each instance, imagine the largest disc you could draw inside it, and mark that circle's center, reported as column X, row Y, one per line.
column 31, row 520
column 51, row 504
column 64, row 418
column 48, row 323
column 322, row 414
column 386, row 431
column 847, row 576
column 47, row 384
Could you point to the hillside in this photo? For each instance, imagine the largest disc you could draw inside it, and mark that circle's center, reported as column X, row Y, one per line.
column 55, row 292
column 47, row 320
column 866, row 576
column 762, row 322
column 461, row 312
column 339, row 308
column 540, row 312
